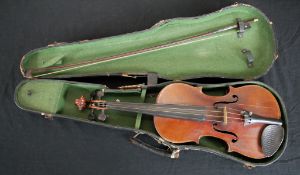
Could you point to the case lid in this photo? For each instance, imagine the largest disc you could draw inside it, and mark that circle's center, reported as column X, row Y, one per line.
column 235, row 42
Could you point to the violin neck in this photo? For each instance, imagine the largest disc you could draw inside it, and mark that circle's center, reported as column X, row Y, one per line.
column 162, row 110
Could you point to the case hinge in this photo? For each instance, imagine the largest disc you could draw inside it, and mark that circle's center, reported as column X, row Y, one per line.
column 47, row 116
column 248, row 166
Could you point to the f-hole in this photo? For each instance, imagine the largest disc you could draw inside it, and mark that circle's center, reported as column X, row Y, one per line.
column 235, row 99
column 226, row 132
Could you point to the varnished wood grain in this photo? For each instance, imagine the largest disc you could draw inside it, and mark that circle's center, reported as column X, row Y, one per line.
column 250, row 98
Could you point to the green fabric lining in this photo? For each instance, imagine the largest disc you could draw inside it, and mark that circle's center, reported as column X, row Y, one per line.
column 120, row 118
column 215, row 56
column 33, row 96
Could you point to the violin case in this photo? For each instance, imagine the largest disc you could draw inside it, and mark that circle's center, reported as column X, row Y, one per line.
column 217, row 59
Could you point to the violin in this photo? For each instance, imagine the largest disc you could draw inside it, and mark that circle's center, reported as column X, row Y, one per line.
column 184, row 113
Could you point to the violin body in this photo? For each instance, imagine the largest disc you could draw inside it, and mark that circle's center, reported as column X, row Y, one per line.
column 240, row 138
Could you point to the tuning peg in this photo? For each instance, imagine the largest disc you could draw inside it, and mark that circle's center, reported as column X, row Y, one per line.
column 102, row 116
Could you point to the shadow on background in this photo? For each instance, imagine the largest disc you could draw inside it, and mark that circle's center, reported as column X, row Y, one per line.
column 109, row 18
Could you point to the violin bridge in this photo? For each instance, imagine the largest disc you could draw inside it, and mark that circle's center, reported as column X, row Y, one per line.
column 225, row 118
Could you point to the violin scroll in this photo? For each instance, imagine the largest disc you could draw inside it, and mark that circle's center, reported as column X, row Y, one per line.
column 82, row 103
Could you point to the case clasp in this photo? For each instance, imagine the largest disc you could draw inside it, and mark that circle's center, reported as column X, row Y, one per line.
column 250, row 57
column 47, row 116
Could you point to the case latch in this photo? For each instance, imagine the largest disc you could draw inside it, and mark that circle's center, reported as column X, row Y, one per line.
column 152, row 79
column 47, row 116
column 250, row 57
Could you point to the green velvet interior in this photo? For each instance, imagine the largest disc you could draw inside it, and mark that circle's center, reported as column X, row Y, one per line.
column 218, row 55
column 57, row 97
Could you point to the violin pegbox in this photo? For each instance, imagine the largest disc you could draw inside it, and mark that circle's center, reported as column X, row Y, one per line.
column 98, row 94
column 95, row 103
column 102, row 116
column 81, row 103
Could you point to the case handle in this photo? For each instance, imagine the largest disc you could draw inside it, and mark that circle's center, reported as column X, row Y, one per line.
column 162, row 149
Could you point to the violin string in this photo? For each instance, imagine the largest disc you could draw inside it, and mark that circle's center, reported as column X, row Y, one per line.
column 201, row 110
column 176, row 111
column 214, row 116
column 218, row 121
column 211, row 120
column 254, row 105
column 240, row 104
column 161, row 106
column 205, row 110
column 154, row 106
column 228, row 108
